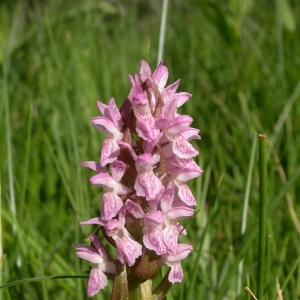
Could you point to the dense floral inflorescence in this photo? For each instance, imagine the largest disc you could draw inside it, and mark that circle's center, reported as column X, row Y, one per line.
column 145, row 163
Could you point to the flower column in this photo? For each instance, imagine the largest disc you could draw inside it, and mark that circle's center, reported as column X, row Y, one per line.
column 145, row 162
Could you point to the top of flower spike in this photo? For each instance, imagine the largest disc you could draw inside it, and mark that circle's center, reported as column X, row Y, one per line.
column 160, row 75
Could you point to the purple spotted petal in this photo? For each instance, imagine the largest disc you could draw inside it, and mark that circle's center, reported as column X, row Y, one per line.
column 170, row 235
column 182, row 98
column 94, row 166
column 104, row 125
column 145, row 127
column 176, row 273
column 153, row 239
column 94, row 221
column 98, row 245
column 103, row 180
column 134, row 209
column 180, row 213
column 178, row 124
column 153, row 218
column 160, row 76
column 168, row 197
column 128, row 250
column 115, row 113
column 169, row 92
column 111, row 205
column 110, row 151
column 186, row 195
column 148, row 185
column 97, row 281
column 111, row 112
column 92, row 257
column 169, row 109
column 145, row 70
column 183, row 148
column 117, row 170
column 183, row 250
column 190, row 133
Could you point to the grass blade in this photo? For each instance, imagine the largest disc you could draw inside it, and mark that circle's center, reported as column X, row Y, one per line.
column 262, row 215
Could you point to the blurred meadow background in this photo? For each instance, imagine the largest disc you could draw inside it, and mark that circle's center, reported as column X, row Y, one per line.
column 240, row 59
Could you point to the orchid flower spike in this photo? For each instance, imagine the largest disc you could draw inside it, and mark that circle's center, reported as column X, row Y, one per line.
column 146, row 161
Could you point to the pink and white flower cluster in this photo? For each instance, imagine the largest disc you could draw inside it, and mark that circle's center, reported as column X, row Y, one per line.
column 145, row 164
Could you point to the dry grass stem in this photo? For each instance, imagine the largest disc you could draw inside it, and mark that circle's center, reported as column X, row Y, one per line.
column 250, row 293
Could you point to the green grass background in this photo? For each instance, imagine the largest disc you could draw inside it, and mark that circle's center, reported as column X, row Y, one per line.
column 241, row 61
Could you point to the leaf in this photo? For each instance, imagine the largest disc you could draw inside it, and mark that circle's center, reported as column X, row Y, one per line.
column 162, row 289
column 37, row 279
column 288, row 18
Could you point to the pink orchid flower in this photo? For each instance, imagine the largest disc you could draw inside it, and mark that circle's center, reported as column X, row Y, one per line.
column 153, row 237
column 98, row 256
column 173, row 261
column 111, row 201
column 111, row 125
column 145, row 123
column 128, row 250
column 181, row 171
column 146, row 184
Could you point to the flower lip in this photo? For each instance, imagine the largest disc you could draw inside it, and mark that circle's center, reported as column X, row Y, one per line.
column 183, row 250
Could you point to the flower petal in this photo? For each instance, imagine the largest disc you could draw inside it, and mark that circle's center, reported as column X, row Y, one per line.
column 111, row 205
column 182, row 98
column 98, row 245
column 104, row 125
column 168, row 93
column 170, row 235
column 183, row 250
column 94, row 258
column 153, row 239
column 145, row 70
column 115, row 113
column 160, row 76
column 169, row 109
column 176, row 273
column 110, row 151
column 117, row 170
column 190, row 133
column 180, row 213
column 167, row 198
column 103, row 180
column 153, row 218
column 182, row 148
column 94, row 221
column 128, row 250
column 94, row 166
column 134, row 209
column 178, row 124
column 97, row 281
column 147, row 185
column 186, row 195
column 145, row 127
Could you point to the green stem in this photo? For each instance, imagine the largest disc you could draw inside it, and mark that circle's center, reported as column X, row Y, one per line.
column 162, row 31
column 134, row 290
column 140, row 291
column 262, row 214
column 120, row 289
